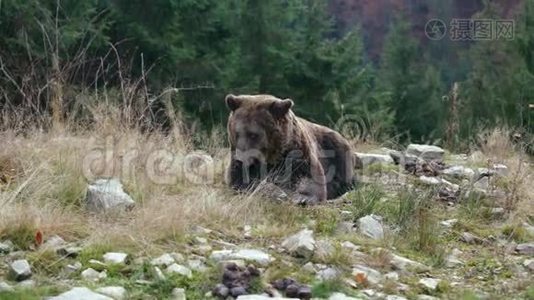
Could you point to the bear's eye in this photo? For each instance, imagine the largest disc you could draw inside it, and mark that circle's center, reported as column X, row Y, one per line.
column 252, row 136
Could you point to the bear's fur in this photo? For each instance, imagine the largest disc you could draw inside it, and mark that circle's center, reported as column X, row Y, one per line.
column 269, row 142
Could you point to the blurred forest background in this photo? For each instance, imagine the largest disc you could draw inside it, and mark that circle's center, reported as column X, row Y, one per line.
column 367, row 61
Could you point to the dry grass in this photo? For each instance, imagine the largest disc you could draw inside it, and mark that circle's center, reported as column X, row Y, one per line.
column 53, row 169
column 497, row 148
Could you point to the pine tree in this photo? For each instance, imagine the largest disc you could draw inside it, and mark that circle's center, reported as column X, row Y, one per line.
column 414, row 86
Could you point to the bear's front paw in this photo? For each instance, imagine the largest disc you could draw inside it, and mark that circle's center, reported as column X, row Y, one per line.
column 304, row 199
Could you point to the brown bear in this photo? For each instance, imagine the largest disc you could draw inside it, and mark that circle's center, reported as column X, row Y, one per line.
column 268, row 142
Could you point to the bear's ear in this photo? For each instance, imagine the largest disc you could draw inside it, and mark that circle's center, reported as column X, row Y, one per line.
column 233, row 102
column 280, row 108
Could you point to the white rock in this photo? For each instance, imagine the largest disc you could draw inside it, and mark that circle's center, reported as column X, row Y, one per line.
column 370, row 158
column 459, row 172
column 394, row 297
column 27, row 284
column 178, row 294
column 430, row 284
column 159, row 274
column 196, row 265
column 529, row 264
column 163, row 260
column 452, row 259
column 6, row 247
column 115, row 292
column 340, row 296
column 179, row 258
column 253, row 255
column 54, row 242
column 392, row 276
column 5, row 287
column 201, row 240
column 115, row 258
column 426, row 152
column 91, row 274
column 426, row 297
column 371, row 227
column 525, row 249
column 529, row 228
column 448, row 223
column 372, row 275
column 309, row 267
column 328, row 274
column 179, row 269
column 429, row 180
column 404, row 264
column 262, row 297
column 470, row 238
column 20, row 270
column 349, row 246
column 301, row 244
column 80, row 293
column 324, row 249
column 107, row 195
column 500, row 169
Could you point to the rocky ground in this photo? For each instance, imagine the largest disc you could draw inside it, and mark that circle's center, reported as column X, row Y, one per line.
column 423, row 224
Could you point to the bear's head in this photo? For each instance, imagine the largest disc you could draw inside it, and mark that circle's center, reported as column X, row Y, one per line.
column 258, row 127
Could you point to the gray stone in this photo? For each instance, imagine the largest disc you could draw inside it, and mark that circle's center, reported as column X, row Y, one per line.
column 430, row 284
column 118, row 258
column 97, row 265
column 179, row 258
column 371, row 227
column 430, row 180
column 6, row 247
column 91, row 274
column 345, row 227
column 54, row 242
column 370, row 158
column 301, row 244
column 163, row 260
column 426, row 297
column 27, row 284
column 70, row 251
column 501, row 169
column 262, row 297
column 20, row 270
column 525, row 249
column 257, row 256
column 115, row 292
column 394, row 276
column 5, row 287
column 178, row 294
column 324, row 249
column 452, row 259
column 158, row 274
column 448, row 223
column 221, row 291
column 426, row 152
column 349, row 246
column 529, row 264
column 405, row 264
column 372, row 275
column 459, row 172
column 309, row 267
column 328, row 274
column 395, row 297
column 179, row 269
column 80, row 293
column 470, row 238
column 197, row 265
column 107, row 195
column 341, row 296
